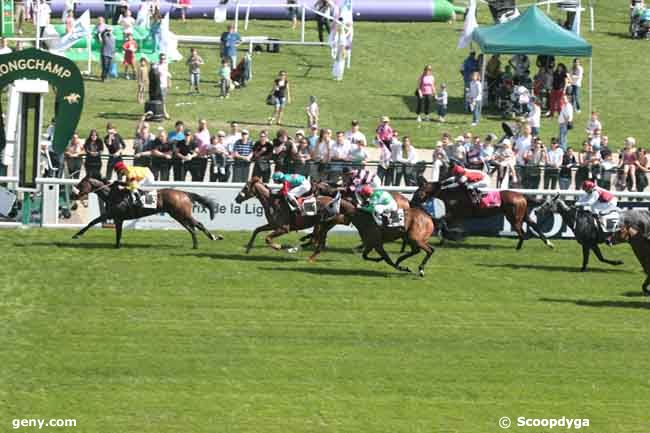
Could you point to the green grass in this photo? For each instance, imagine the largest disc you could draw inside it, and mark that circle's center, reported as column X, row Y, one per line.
column 387, row 60
column 160, row 338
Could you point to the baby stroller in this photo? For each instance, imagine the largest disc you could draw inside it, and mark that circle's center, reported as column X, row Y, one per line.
column 503, row 95
column 640, row 22
column 520, row 102
column 243, row 72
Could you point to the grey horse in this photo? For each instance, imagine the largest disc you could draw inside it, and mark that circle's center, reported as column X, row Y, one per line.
column 634, row 227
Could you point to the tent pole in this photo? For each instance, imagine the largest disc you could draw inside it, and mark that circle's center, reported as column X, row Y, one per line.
column 483, row 66
column 591, row 76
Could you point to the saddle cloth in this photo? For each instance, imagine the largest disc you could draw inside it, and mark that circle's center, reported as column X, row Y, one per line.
column 308, row 205
column 394, row 219
column 490, row 200
column 150, row 199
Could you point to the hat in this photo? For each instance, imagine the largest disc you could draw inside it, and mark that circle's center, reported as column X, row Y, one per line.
column 221, row 133
column 244, row 131
column 385, row 119
column 300, row 132
column 119, row 166
column 460, row 138
column 506, row 141
column 314, row 126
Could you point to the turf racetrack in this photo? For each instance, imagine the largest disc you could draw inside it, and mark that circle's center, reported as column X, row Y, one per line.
column 160, row 338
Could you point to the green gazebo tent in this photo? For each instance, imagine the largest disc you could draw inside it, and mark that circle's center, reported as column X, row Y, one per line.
column 532, row 33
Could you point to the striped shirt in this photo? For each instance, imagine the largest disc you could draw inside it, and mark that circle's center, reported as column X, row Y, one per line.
column 243, row 148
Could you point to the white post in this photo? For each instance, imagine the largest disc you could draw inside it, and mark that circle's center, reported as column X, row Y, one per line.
column 237, row 16
column 38, row 36
column 302, row 25
column 591, row 79
column 248, row 15
column 89, row 42
column 548, row 7
column 592, row 20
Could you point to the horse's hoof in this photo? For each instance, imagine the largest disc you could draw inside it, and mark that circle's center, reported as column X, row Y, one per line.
column 550, row 245
column 618, row 262
column 218, row 238
column 75, row 237
column 311, row 260
column 421, row 273
column 583, row 269
column 293, row 250
column 404, row 269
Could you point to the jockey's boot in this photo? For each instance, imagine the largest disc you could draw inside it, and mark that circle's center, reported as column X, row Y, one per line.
column 293, row 203
column 137, row 199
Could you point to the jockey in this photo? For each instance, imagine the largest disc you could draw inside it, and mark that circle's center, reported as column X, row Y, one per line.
column 294, row 186
column 473, row 180
column 134, row 177
column 354, row 180
column 377, row 203
column 597, row 200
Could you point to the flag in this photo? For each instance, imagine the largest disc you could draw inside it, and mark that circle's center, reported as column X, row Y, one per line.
column 469, row 26
column 576, row 22
column 143, row 15
column 80, row 30
column 168, row 41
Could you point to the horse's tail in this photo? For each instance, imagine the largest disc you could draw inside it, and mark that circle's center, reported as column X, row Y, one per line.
column 206, row 202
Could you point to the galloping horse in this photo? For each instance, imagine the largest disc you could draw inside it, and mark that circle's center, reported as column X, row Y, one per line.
column 178, row 204
column 514, row 206
column 418, row 228
column 584, row 227
column 634, row 228
column 280, row 219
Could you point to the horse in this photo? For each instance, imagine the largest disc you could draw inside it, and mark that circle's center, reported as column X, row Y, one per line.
column 178, row 204
column 418, row 228
column 514, row 206
column 585, row 228
column 634, row 228
column 280, row 219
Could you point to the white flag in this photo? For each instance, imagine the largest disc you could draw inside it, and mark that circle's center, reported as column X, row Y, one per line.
column 80, row 30
column 576, row 22
column 469, row 27
column 168, row 41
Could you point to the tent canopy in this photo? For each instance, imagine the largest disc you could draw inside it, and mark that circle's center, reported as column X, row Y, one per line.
column 531, row 33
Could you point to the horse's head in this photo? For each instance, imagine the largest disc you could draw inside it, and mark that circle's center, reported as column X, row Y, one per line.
column 323, row 188
column 426, row 190
column 249, row 190
column 85, row 186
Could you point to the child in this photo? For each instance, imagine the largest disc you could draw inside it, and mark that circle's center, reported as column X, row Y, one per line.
column 628, row 161
column 130, row 46
column 313, row 112
column 224, row 74
column 442, row 99
column 504, row 157
column 594, row 123
column 194, row 63
column 143, row 78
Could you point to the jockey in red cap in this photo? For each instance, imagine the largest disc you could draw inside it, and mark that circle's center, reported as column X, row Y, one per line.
column 597, row 200
column 473, row 180
column 134, row 177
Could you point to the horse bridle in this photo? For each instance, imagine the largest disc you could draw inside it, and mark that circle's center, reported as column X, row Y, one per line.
column 75, row 190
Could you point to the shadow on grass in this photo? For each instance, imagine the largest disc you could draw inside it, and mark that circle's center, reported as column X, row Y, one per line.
column 281, row 257
column 96, row 245
column 450, row 245
column 551, row 268
column 639, row 305
column 621, row 35
column 126, row 116
column 338, row 272
column 266, row 124
column 630, row 294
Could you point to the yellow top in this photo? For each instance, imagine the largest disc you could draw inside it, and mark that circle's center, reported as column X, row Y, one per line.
column 134, row 175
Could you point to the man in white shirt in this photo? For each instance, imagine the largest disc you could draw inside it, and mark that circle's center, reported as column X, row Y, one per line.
column 565, row 120
column 535, row 117
column 577, row 72
column 523, row 143
column 4, row 49
column 355, row 136
column 475, row 97
column 554, row 157
column 43, row 13
column 233, row 136
column 127, row 22
column 340, row 149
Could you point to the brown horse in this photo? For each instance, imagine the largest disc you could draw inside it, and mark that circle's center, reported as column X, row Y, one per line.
column 178, row 204
column 418, row 228
column 280, row 219
column 514, row 206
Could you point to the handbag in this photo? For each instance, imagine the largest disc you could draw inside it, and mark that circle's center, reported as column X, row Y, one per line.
column 569, row 126
column 271, row 99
